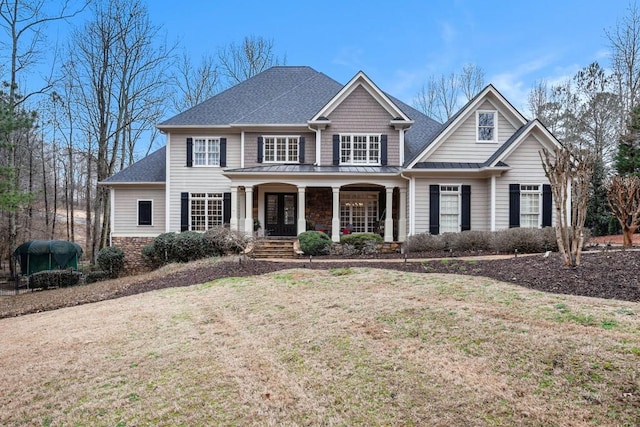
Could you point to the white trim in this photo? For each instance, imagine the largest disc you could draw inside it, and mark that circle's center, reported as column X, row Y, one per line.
column 242, row 149
column 287, row 143
column 464, row 115
column 167, row 188
column 361, row 79
column 515, row 144
column 401, row 145
column 368, row 148
column 458, row 193
column 206, row 139
column 138, row 213
column 493, row 203
column 537, row 192
column 494, row 140
column 412, row 206
column 112, row 209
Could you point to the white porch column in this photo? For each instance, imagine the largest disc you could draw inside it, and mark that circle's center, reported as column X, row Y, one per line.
column 492, row 212
column 241, row 210
column 302, row 221
column 233, row 221
column 402, row 215
column 248, row 216
column 335, row 219
column 388, row 216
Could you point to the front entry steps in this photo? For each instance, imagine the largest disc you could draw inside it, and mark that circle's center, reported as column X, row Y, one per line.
column 274, row 248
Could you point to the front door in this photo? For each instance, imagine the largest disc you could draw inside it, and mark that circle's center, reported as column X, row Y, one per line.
column 280, row 214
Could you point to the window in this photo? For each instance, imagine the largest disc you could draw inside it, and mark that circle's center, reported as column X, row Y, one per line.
column 145, row 209
column 360, row 149
column 206, row 151
column 530, row 206
column 359, row 211
column 486, row 126
column 206, row 211
column 449, row 208
column 281, row 149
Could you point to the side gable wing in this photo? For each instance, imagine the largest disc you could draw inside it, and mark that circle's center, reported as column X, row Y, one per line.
column 458, row 135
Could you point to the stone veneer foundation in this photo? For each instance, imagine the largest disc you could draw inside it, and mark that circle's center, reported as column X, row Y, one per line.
column 134, row 262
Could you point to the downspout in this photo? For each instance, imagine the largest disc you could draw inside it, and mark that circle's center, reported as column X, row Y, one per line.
column 318, row 138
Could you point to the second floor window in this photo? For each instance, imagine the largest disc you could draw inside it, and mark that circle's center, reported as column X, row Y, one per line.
column 360, row 149
column 206, row 151
column 281, row 149
column 486, row 121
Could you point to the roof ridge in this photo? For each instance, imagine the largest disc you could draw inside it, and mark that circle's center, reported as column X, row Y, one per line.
column 282, row 94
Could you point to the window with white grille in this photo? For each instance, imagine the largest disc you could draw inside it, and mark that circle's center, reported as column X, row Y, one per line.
column 449, row 208
column 206, row 211
column 359, row 211
column 530, row 196
column 359, row 149
column 206, row 151
column 281, row 149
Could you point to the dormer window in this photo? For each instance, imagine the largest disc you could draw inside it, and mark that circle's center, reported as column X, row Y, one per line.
column 486, row 128
column 281, row 149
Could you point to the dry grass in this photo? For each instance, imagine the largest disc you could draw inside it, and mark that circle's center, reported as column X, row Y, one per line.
column 352, row 346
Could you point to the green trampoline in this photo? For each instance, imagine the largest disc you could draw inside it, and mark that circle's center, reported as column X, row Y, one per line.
column 40, row 255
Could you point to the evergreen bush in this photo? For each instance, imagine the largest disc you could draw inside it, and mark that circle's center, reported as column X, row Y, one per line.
column 111, row 260
column 314, row 243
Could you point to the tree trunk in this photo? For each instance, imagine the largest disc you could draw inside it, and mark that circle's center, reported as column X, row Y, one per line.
column 627, row 235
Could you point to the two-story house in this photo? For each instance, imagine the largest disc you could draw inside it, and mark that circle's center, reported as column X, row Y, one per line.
column 293, row 149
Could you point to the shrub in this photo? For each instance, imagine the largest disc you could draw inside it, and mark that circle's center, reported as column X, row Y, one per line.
column 525, row 240
column 222, row 241
column 361, row 243
column 54, row 278
column 96, row 276
column 424, row 242
column 314, row 243
column 472, row 240
column 111, row 260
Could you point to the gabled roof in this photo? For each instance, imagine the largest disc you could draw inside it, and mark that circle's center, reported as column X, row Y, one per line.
column 437, row 138
column 278, row 95
column 517, row 138
column 150, row 169
column 361, row 80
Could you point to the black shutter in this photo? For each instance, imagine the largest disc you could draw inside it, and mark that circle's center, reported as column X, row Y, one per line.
column 514, row 205
column 184, row 211
column 336, row 150
column 144, row 212
column 434, row 209
column 189, row 152
column 301, row 150
column 465, row 223
column 383, row 150
column 226, row 208
column 260, row 149
column 223, row 152
column 547, row 200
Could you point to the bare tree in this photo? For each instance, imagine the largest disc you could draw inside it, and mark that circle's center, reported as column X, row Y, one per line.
column 624, row 41
column 194, row 84
column 623, row 196
column 254, row 54
column 471, row 80
column 23, row 22
column 120, row 79
column 440, row 97
column 569, row 173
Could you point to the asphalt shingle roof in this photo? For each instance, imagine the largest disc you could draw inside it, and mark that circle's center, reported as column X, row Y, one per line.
column 148, row 169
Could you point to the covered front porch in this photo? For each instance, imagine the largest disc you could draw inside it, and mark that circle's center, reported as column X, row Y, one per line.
column 271, row 208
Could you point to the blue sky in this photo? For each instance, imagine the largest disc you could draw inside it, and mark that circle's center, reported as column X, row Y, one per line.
column 399, row 44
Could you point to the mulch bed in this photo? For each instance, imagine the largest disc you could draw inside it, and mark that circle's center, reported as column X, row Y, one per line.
column 602, row 274
column 611, row 274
